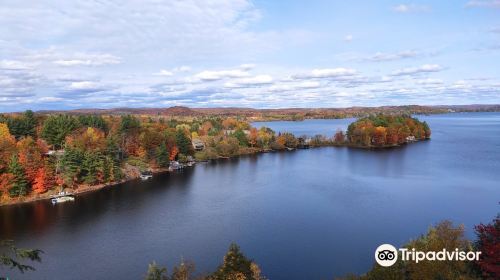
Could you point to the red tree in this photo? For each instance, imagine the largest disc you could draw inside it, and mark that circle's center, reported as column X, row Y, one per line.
column 44, row 180
column 489, row 244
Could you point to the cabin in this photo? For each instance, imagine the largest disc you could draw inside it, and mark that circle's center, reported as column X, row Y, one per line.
column 303, row 143
column 198, row 144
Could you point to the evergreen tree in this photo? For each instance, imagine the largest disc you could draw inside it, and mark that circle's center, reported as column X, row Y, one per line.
column 236, row 266
column 11, row 256
column 155, row 272
column 129, row 122
column 183, row 271
column 71, row 165
column 92, row 165
column 29, row 124
column 162, row 155
column 20, row 184
column 92, row 121
column 23, row 126
column 107, row 169
column 183, row 142
column 242, row 138
column 56, row 128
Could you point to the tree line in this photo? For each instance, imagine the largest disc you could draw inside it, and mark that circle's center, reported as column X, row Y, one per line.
column 39, row 153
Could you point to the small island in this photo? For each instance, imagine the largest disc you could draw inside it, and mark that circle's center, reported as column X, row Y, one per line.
column 382, row 131
column 47, row 155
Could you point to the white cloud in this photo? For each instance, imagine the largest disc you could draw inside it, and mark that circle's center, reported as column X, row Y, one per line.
column 326, row 73
column 430, row 81
column 14, row 65
column 89, row 60
column 50, row 99
column 222, row 74
column 182, row 68
column 426, row 68
column 69, row 52
column 250, row 81
column 380, row 56
column 484, row 3
column 83, row 85
column 295, row 86
column 409, row 8
column 164, row 73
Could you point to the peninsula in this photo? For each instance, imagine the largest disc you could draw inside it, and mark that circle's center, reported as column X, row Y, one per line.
column 42, row 154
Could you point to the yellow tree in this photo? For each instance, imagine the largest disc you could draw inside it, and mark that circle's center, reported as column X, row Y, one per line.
column 7, row 146
column 30, row 157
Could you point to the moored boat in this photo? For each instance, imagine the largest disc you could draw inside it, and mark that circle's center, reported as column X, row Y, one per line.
column 61, row 199
column 146, row 175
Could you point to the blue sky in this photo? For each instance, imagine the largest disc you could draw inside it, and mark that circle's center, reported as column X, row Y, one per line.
column 261, row 54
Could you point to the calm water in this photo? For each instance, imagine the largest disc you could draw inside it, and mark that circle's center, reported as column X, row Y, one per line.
column 308, row 214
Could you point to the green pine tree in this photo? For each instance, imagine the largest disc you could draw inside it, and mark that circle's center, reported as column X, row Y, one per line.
column 162, row 156
column 183, row 142
column 71, row 164
column 22, row 126
column 92, row 164
column 20, row 184
column 56, row 128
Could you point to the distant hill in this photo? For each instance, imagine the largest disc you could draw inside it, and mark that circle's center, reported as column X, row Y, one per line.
column 283, row 113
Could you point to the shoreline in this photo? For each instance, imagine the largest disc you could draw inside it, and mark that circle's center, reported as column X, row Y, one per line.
column 78, row 191
column 86, row 189
column 82, row 189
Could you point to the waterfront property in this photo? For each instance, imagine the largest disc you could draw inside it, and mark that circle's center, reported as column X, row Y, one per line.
column 198, row 144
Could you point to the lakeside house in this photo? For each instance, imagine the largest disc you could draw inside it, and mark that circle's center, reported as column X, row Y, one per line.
column 175, row 165
column 410, row 138
column 303, row 143
column 198, row 144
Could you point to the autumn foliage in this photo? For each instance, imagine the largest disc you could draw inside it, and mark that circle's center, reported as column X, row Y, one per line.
column 40, row 153
column 386, row 130
column 489, row 244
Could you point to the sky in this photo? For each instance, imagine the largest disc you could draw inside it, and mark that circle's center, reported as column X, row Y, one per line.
column 57, row 54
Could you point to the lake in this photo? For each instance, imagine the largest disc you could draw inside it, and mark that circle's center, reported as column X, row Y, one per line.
column 306, row 214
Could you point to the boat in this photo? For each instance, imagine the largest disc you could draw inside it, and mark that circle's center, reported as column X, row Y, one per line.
column 146, row 175
column 62, row 197
column 175, row 165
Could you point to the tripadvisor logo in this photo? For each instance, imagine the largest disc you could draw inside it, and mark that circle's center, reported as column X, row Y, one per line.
column 387, row 255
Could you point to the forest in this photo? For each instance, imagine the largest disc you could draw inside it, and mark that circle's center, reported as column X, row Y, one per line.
column 386, row 131
column 42, row 154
